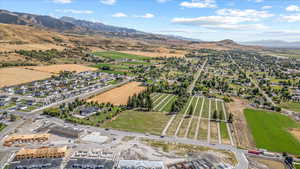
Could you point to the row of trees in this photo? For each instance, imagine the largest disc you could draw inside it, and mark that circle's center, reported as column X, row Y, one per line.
column 179, row 103
column 11, row 64
column 141, row 100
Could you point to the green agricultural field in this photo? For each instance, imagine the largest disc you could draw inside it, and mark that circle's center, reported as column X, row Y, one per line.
column 159, row 105
column 224, row 132
column 205, row 108
column 119, row 55
column 137, row 63
column 143, row 122
column 291, row 106
column 114, row 66
column 297, row 166
column 270, row 131
column 168, row 106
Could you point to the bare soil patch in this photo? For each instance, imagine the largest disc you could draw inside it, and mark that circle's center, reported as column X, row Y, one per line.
column 295, row 133
column 13, row 47
column 119, row 95
column 64, row 67
column 260, row 163
column 242, row 132
column 15, row 76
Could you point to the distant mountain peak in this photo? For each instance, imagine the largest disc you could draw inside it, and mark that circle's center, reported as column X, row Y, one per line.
column 227, row 42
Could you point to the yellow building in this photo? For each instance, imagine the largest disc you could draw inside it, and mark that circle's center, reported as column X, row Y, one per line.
column 30, row 138
column 43, row 152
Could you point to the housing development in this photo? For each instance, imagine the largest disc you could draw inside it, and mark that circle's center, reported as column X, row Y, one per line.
column 77, row 94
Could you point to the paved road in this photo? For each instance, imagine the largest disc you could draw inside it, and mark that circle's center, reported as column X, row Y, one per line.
column 197, row 75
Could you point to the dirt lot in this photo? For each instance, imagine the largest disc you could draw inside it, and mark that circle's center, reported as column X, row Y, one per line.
column 63, row 67
column 256, row 163
column 296, row 133
column 119, row 96
column 14, row 76
column 242, row 132
column 161, row 52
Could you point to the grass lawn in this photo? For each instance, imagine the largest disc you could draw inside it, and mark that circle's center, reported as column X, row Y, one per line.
column 2, row 126
column 270, row 131
column 119, row 55
column 297, row 166
column 291, row 106
column 205, row 108
column 224, row 132
column 143, row 122
column 137, row 63
column 168, row 107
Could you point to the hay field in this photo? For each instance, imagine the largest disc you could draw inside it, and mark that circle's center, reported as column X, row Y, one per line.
column 15, row 76
column 120, row 95
column 64, row 67
column 265, row 126
column 160, row 53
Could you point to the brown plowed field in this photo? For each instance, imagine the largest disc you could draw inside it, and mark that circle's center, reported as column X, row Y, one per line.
column 63, row 67
column 15, row 76
column 119, row 95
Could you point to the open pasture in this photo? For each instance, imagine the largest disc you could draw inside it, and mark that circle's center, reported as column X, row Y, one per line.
column 119, row 55
column 270, row 131
column 144, row 122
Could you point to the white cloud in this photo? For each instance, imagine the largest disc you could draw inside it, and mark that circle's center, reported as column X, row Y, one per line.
column 74, row 11
column 62, row 1
column 291, row 18
column 266, row 7
column 199, row 4
column 147, row 16
column 244, row 13
column 108, row 2
column 212, row 20
column 239, row 27
column 292, row 8
column 119, row 15
column 228, row 19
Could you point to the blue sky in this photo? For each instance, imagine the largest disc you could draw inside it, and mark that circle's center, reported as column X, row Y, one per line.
column 240, row 20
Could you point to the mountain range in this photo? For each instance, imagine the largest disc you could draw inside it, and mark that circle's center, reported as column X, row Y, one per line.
column 273, row 44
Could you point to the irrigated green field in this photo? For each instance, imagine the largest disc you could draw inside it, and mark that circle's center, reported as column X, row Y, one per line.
column 270, row 131
column 119, row 55
column 163, row 102
column 144, row 122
